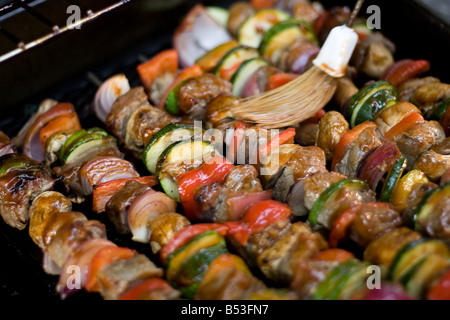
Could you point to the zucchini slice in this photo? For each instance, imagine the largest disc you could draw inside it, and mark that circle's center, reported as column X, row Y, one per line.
column 328, row 195
column 252, row 30
column 186, row 265
column 219, row 14
column 85, row 143
column 392, row 179
column 176, row 153
column 426, row 205
column 70, row 140
column 423, row 274
column 172, row 103
column 440, row 110
column 244, row 73
column 209, row 60
column 228, row 65
column 164, row 138
column 407, row 257
column 332, row 285
column 369, row 101
column 281, row 35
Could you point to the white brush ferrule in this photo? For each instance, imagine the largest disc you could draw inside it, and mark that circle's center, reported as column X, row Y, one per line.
column 337, row 50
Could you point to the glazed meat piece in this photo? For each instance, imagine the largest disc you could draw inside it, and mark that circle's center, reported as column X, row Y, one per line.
column 214, row 198
column 433, row 164
column 165, row 227
column 64, row 233
column 22, row 179
column 317, row 183
column 419, row 139
column 218, row 109
column 372, row 220
column 407, row 89
column 382, row 250
column 344, row 199
column 117, row 276
column 117, row 207
column 227, row 278
column 239, row 11
column 42, row 209
column 368, row 139
column 373, row 55
column 306, row 133
column 242, row 178
column 308, row 274
column 122, row 109
column 259, row 242
column 142, row 125
column 299, row 242
column 306, row 11
column 415, row 196
column 331, row 128
column 390, row 116
column 428, row 96
column 303, row 162
column 437, row 223
column 197, row 92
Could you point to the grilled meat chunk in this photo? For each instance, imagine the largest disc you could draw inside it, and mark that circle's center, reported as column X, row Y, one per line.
column 165, row 227
column 419, row 138
column 373, row 220
column 42, row 209
column 382, row 250
column 117, row 276
column 21, row 180
column 142, row 125
column 368, row 139
column 214, row 198
column 197, row 92
column 303, row 162
column 433, row 164
column 428, row 96
column 122, row 109
column 407, row 89
column 64, row 233
column 317, row 183
column 299, row 242
column 117, row 207
column 331, row 128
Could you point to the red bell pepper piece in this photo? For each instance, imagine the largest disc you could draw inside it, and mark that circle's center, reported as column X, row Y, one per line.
column 335, row 254
column 342, row 226
column 262, row 4
column 149, row 285
column 165, row 61
column 347, row 138
column 441, row 290
column 406, row 69
column 102, row 258
column 277, row 80
column 188, row 233
column 404, row 125
column 215, row 170
column 257, row 218
column 283, row 137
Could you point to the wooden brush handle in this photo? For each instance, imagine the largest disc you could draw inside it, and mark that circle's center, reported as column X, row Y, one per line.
column 355, row 13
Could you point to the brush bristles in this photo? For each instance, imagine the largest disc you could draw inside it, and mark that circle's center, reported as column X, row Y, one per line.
column 289, row 104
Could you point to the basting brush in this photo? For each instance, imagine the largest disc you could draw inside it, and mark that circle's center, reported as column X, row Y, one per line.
column 304, row 96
